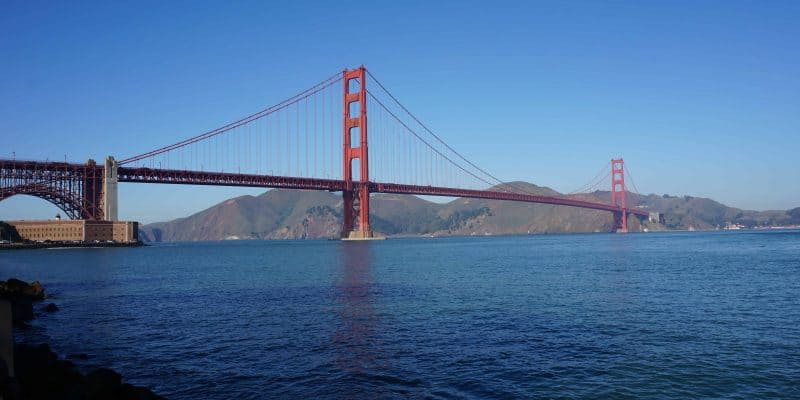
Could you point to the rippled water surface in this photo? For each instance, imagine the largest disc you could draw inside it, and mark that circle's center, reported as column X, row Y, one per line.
column 672, row 315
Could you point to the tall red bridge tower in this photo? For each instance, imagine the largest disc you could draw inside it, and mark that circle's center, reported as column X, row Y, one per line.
column 618, row 194
column 355, row 213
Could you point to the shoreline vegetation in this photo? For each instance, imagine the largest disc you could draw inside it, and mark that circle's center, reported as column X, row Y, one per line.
column 35, row 372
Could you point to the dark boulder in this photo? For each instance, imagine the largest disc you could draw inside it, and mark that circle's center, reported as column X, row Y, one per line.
column 130, row 392
column 21, row 310
column 103, row 383
column 17, row 288
column 51, row 308
column 40, row 374
column 21, row 295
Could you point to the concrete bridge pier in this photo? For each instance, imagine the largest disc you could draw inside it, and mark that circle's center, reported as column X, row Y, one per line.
column 620, row 222
column 109, row 193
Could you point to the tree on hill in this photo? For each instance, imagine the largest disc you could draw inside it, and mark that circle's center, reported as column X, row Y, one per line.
column 8, row 232
column 794, row 216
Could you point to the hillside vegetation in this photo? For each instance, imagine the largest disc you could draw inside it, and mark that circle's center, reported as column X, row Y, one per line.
column 299, row 214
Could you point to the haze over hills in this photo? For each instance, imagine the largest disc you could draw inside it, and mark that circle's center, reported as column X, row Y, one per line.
column 298, row 214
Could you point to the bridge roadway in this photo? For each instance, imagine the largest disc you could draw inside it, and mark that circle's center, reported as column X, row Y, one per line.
column 168, row 176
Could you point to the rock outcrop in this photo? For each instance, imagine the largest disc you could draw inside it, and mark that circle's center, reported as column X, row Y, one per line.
column 18, row 288
column 21, row 295
column 40, row 374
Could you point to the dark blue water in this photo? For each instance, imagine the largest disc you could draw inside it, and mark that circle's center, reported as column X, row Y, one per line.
column 672, row 315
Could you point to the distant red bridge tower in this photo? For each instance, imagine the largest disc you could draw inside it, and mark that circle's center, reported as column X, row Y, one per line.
column 618, row 194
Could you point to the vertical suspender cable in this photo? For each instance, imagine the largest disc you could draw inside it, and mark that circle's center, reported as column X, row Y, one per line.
column 324, row 138
column 306, row 127
column 315, row 136
column 297, row 137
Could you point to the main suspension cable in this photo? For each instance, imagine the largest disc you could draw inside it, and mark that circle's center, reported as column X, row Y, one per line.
column 269, row 110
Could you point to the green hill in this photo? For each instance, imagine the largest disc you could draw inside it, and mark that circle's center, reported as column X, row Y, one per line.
column 299, row 214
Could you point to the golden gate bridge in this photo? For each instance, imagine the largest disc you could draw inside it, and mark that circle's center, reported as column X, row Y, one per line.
column 337, row 135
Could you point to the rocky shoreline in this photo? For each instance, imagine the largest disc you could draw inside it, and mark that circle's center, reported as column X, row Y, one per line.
column 36, row 371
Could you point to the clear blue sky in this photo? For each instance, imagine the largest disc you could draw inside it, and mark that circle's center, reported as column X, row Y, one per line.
column 700, row 97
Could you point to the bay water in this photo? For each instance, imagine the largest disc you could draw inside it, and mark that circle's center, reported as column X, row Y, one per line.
column 662, row 315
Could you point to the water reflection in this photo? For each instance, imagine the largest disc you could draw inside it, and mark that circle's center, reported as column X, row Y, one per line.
column 356, row 344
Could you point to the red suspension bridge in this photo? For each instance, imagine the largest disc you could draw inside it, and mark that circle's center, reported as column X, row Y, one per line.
column 319, row 139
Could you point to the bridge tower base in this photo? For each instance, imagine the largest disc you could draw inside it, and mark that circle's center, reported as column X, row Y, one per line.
column 355, row 213
column 620, row 222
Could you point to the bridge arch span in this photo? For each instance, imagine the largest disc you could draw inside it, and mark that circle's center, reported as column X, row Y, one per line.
column 71, row 206
column 76, row 189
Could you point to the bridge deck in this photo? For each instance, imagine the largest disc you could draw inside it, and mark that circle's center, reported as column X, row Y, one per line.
column 151, row 175
column 495, row 195
column 179, row 177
